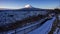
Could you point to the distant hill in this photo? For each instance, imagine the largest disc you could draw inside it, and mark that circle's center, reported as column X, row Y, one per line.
column 26, row 9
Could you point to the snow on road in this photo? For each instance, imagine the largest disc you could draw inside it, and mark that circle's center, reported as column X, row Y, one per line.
column 45, row 28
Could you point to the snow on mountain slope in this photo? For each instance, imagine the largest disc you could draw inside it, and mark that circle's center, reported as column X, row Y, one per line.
column 11, row 16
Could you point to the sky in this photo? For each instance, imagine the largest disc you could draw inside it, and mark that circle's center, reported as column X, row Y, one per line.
column 16, row 4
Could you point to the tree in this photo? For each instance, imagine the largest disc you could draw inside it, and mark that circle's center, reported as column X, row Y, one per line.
column 57, row 10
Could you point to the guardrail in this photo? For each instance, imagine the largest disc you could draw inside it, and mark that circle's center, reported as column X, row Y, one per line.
column 32, row 27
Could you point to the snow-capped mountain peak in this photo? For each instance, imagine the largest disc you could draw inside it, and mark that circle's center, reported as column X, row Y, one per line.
column 28, row 6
